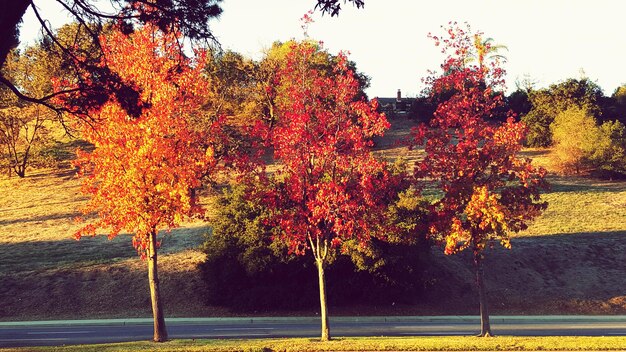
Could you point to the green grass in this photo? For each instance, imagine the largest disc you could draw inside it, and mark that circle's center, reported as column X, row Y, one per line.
column 439, row 343
column 580, row 205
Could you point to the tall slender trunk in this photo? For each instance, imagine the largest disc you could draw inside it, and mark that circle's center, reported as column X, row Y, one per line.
column 323, row 305
column 485, row 326
column 160, row 332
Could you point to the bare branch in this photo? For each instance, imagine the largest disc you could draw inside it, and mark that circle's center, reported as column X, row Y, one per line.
column 89, row 10
column 20, row 95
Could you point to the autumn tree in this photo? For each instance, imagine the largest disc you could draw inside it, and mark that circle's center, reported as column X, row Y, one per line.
column 275, row 59
column 24, row 126
column 328, row 187
column 189, row 17
column 143, row 170
column 487, row 191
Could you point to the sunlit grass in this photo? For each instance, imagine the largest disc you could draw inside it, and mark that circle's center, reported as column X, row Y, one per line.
column 579, row 205
column 448, row 343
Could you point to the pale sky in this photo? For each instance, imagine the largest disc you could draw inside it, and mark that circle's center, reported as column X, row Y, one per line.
column 548, row 40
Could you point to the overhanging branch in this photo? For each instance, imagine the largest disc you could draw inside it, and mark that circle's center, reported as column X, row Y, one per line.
column 42, row 101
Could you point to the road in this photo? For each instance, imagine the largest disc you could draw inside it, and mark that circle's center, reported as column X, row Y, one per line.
column 50, row 333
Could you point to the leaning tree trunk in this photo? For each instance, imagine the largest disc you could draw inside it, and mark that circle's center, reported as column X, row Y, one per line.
column 323, row 305
column 485, row 326
column 160, row 332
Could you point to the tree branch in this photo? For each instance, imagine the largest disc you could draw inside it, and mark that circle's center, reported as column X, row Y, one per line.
column 93, row 35
column 43, row 101
column 85, row 7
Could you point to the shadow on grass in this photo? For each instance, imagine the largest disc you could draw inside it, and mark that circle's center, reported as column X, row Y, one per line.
column 534, row 153
column 42, row 255
column 63, row 172
column 42, row 218
column 30, row 206
column 610, row 236
column 569, row 273
column 70, row 253
column 581, row 184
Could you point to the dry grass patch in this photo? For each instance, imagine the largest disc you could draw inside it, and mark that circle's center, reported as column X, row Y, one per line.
column 390, row 147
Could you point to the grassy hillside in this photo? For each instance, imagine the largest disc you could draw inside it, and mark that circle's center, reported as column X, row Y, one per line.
column 571, row 260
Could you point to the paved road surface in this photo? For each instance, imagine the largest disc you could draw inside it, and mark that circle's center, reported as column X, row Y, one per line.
column 48, row 333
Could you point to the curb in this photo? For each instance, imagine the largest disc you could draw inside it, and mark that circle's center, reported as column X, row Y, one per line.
column 311, row 320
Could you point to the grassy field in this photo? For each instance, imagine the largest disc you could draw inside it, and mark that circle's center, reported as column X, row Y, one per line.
column 502, row 343
column 570, row 261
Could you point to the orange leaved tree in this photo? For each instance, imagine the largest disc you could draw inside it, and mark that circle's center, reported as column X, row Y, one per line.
column 143, row 169
column 488, row 191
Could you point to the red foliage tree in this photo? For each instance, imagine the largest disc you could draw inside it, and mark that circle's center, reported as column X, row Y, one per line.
column 141, row 174
column 488, row 191
column 328, row 188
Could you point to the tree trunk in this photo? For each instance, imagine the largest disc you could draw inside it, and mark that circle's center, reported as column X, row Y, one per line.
column 160, row 332
column 323, row 306
column 20, row 171
column 485, row 326
column 10, row 18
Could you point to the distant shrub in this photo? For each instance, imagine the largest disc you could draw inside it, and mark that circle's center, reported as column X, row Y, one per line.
column 247, row 271
column 539, row 134
column 558, row 98
column 581, row 145
column 574, row 133
column 609, row 152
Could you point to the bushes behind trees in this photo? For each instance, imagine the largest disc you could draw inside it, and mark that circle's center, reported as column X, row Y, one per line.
column 247, row 271
column 548, row 103
column 581, row 145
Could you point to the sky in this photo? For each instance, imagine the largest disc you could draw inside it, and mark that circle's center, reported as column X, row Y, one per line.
column 547, row 40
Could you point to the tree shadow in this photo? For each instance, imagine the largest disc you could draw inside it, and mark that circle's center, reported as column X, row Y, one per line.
column 95, row 278
column 43, row 255
column 62, row 172
column 567, row 273
column 41, row 218
column 564, row 184
column 32, row 206
column 533, row 153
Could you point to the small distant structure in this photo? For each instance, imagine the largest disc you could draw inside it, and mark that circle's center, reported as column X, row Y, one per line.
column 395, row 107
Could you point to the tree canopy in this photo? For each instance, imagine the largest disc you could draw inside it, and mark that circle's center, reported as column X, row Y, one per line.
column 329, row 188
column 488, row 191
column 143, row 169
column 548, row 103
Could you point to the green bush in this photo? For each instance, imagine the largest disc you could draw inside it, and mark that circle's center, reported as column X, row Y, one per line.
column 580, row 144
column 247, row 271
column 548, row 103
column 609, row 154
column 575, row 134
column 539, row 134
